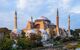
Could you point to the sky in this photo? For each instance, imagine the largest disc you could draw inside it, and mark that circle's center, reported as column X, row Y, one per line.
column 36, row 8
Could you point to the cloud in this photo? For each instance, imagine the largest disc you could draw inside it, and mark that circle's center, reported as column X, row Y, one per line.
column 3, row 1
column 6, row 19
column 75, row 10
column 21, row 4
column 38, row 8
column 43, row 7
column 34, row 6
column 28, row 4
column 66, row 1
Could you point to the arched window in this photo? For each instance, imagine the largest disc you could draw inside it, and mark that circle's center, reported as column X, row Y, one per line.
column 37, row 26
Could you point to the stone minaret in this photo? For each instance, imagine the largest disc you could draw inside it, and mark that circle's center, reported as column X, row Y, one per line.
column 69, row 34
column 14, row 31
column 57, row 23
column 31, row 22
column 31, row 19
column 15, row 20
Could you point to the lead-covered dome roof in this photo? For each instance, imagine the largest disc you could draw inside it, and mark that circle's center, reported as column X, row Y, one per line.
column 42, row 18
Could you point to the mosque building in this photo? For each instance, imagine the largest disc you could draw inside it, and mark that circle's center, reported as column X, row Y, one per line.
column 43, row 24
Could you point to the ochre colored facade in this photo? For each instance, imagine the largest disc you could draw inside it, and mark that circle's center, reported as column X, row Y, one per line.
column 28, row 25
column 41, row 24
column 45, row 24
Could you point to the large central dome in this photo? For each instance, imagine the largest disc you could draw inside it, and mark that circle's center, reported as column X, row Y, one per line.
column 42, row 18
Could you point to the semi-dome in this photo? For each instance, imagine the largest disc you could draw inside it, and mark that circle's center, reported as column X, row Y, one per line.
column 42, row 18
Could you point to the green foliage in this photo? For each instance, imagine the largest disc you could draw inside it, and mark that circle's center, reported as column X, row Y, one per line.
column 6, row 44
column 57, row 41
column 28, row 43
column 35, row 37
column 23, row 34
column 36, row 40
column 24, row 43
column 76, row 33
column 77, row 30
column 78, row 46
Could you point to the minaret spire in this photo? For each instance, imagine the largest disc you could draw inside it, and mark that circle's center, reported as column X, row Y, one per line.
column 69, row 23
column 57, row 23
column 69, row 34
column 31, row 22
column 15, row 20
column 31, row 19
column 57, row 12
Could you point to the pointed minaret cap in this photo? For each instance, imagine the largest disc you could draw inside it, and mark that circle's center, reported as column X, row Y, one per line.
column 31, row 19
column 57, row 12
column 15, row 12
column 69, row 16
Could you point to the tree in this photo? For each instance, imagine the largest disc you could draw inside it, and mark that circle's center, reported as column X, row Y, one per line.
column 6, row 44
column 35, row 39
column 76, row 33
column 23, row 34
column 28, row 43
column 23, row 43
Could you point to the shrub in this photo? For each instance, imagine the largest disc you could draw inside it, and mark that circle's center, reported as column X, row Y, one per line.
column 6, row 44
